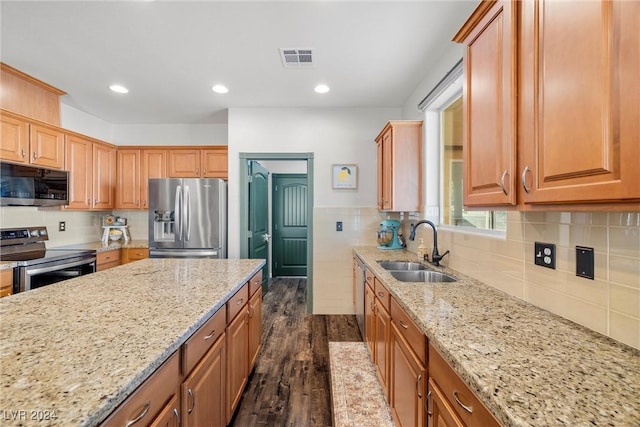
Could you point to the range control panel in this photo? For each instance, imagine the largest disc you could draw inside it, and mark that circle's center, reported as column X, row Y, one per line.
column 14, row 236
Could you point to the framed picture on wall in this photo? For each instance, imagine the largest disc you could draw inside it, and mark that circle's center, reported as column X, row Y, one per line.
column 344, row 176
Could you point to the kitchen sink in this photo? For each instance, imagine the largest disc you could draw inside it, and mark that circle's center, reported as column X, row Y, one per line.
column 401, row 265
column 422, row 276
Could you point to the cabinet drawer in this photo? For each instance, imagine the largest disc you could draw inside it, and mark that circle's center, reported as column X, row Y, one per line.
column 237, row 302
column 414, row 336
column 135, row 254
column 255, row 283
column 369, row 278
column 202, row 340
column 458, row 393
column 108, row 257
column 150, row 398
column 382, row 294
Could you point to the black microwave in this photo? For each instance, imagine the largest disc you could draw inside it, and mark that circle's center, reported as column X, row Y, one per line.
column 22, row 185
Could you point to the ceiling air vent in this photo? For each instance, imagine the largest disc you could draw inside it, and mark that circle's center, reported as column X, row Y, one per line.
column 296, row 58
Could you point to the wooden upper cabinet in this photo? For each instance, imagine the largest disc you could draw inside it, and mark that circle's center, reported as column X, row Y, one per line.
column 580, row 114
column 79, row 160
column 209, row 162
column 184, row 163
column 154, row 165
column 489, row 94
column 215, row 162
column 400, row 166
column 128, row 188
column 31, row 142
column 104, row 176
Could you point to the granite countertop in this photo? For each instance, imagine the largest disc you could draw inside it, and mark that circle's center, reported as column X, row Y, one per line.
column 530, row 367
column 103, row 247
column 5, row 265
column 78, row 348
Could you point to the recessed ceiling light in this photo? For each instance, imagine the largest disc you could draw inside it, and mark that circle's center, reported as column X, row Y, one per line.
column 119, row 89
column 220, row 89
column 321, row 89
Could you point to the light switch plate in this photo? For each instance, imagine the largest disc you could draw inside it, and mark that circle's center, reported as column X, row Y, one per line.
column 585, row 262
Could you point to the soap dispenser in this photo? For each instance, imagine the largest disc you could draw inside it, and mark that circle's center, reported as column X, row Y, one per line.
column 422, row 249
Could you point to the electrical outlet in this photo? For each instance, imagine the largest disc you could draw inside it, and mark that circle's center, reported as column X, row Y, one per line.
column 545, row 254
column 62, row 226
column 338, row 225
column 584, row 262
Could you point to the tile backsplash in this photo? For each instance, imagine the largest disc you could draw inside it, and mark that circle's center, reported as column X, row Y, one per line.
column 609, row 304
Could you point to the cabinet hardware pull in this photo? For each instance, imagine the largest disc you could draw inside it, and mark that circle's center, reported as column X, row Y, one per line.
column 250, row 312
column 147, row 406
column 193, row 399
column 197, row 171
column 22, row 153
column 523, row 178
column 35, row 156
column 469, row 409
column 240, row 302
column 204, row 171
column 177, row 414
column 381, row 294
column 418, row 386
column 426, row 403
column 504, row 175
column 208, row 337
column 404, row 325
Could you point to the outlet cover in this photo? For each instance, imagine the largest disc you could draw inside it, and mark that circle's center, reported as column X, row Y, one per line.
column 62, row 226
column 545, row 254
column 338, row 225
column 585, row 262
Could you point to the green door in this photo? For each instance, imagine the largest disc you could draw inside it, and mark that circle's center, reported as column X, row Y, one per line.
column 259, row 217
column 289, row 225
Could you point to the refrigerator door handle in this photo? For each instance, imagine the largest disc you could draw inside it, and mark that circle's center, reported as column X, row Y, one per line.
column 187, row 216
column 177, row 211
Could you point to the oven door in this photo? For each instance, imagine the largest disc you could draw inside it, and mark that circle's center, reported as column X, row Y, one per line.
column 39, row 275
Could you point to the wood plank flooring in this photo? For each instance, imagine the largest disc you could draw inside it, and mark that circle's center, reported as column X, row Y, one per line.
column 290, row 383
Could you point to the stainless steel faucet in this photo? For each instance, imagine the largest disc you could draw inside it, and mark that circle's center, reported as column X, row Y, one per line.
column 435, row 256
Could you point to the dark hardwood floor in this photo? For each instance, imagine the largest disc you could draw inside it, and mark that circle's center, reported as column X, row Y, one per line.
column 290, row 383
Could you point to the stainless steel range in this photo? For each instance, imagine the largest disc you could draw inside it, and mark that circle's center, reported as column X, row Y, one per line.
column 37, row 266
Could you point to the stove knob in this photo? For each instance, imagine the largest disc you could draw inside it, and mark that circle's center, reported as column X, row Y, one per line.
column 43, row 232
column 34, row 233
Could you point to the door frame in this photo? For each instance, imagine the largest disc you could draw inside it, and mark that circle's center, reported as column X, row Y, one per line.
column 244, row 207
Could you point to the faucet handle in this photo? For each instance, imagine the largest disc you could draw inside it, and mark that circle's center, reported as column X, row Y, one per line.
column 436, row 258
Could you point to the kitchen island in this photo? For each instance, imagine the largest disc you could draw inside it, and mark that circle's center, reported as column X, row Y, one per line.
column 72, row 352
column 528, row 366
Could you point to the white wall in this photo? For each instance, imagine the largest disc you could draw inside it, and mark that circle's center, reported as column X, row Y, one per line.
column 170, row 134
column 344, row 135
column 78, row 121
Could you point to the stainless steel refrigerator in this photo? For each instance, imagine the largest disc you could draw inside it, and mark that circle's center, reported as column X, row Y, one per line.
column 187, row 218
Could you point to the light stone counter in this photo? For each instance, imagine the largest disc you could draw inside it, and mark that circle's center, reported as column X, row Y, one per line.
column 5, row 265
column 79, row 347
column 529, row 366
column 103, row 247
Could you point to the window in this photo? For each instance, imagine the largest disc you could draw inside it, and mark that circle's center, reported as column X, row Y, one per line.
column 444, row 161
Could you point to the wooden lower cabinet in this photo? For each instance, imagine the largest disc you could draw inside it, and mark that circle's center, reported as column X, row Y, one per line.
column 255, row 327
column 133, row 254
column 6, row 282
column 203, row 392
column 369, row 318
column 107, row 259
column 170, row 414
column 151, row 398
column 381, row 346
column 238, row 356
column 408, row 383
column 440, row 412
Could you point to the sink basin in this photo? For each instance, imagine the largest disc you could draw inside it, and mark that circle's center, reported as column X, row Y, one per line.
column 401, row 265
column 422, row 276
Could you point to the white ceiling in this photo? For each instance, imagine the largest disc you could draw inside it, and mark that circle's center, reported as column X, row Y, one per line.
column 170, row 53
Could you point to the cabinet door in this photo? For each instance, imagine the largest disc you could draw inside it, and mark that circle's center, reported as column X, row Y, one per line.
column 6, row 282
column 380, row 191
column 407, row 383
column 369, row 319
column 214, row 163
column 440, row 412
column 203, row 392
column 580, row 110
column 128, row 189
column 184, row 163
column 104, row 176
column 381, row 345
column 79, row 161
column 387, row 170
column 238, row 357
column 255, row 328
column 14, row 142
column 46, row 146
column 154, row 165
column 489, row 91
column 169, row 416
